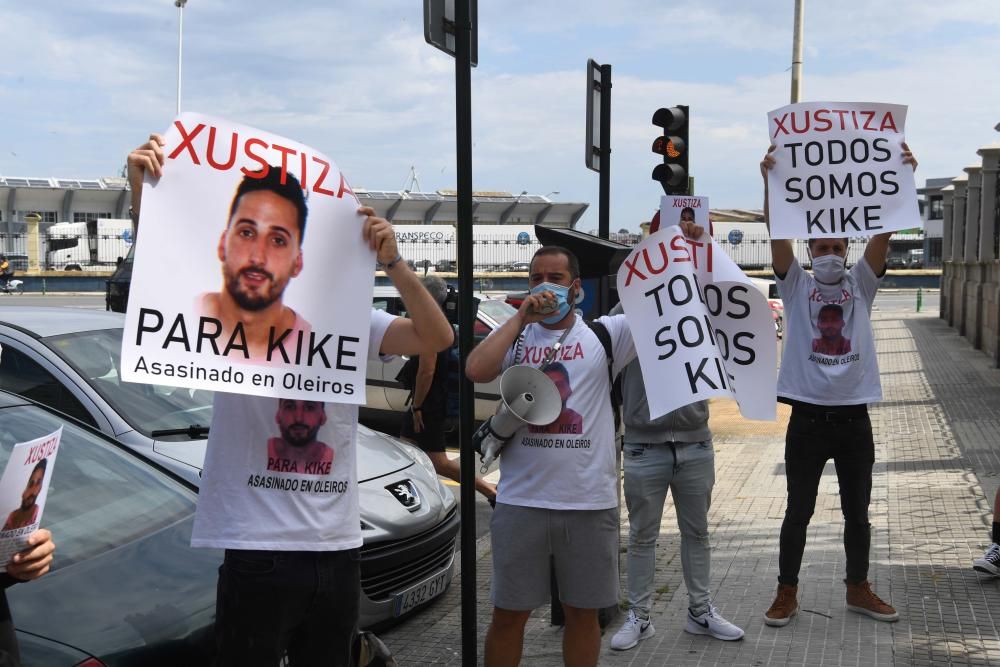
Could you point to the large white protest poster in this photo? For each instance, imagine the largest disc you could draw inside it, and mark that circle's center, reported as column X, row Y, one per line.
column 23, row 489
column 701, row 328
column 251, row 274
column 839, row 171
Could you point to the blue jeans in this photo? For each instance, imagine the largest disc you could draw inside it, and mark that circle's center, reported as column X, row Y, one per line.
column 302, row 602
column 688, row 471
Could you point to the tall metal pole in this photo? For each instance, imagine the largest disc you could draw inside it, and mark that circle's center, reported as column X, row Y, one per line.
column 604, row 196
column 180, row 48
column 797, row 51
column 466, row 318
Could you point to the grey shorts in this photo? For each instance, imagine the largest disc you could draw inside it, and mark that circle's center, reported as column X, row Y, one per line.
column 583, row 543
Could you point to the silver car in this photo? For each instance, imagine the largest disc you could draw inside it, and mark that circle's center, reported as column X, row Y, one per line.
column 68, row 359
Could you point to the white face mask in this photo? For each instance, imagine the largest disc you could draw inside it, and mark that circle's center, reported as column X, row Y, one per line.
column 828, row 269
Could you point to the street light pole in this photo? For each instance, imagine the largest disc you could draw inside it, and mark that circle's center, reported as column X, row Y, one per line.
column 797, row 51
column 179, row 4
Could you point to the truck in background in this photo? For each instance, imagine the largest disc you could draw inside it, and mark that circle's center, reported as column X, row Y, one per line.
column 96, row 245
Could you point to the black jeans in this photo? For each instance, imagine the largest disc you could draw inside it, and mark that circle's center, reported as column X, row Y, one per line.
column 302, row 602
column 814, row 437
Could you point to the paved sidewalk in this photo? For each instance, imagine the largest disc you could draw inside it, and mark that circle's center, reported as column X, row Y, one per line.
column 937, row 466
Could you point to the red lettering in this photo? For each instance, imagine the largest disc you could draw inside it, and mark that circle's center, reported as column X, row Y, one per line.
column 302, row 179
column 285, row 152
column 318, row 187
column 264, row 166
column 841, row 112
column 186, row 140
column 211, row 151
column 826, row 123
column 677, row 243
column 780, row 122
column 869, row 116
column 632, row 270
column 888, row 122
column 344, row 187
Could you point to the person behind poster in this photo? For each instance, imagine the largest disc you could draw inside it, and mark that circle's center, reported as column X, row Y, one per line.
column 829, row 396
column 557, row 496
column 260, row 251
column 424, row 423
column 26, row 513
column 289, row 584
column 675, row 453
column 297, row 449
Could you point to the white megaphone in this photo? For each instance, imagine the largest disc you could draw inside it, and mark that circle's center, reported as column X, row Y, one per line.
column 527, row 396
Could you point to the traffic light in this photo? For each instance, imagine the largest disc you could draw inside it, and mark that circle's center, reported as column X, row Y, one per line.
column 673, row 146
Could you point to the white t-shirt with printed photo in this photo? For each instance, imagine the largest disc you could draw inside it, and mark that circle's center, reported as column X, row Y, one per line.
column 571, row 463
column 829, row 350
column 254, row 497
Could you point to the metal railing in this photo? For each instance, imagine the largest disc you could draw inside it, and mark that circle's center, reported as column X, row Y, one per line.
column 65, row 252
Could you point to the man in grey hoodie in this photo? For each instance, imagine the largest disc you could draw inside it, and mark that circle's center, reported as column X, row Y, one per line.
column 673, row 452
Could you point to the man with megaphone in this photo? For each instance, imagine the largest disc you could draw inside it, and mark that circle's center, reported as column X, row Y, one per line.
column 557, row 495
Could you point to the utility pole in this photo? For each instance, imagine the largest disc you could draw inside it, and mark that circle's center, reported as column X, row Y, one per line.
column 797, row 51
column 179, row 4
column 450, row 25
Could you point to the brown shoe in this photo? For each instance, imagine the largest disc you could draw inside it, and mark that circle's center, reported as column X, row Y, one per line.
column 862, row 599
column 785, row 606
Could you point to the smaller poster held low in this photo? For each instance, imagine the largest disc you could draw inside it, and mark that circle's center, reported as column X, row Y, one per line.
column 701, row 328
column 839, row 171
column 23, row 489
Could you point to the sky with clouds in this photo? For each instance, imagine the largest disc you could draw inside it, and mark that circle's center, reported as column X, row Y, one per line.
column 85, row 82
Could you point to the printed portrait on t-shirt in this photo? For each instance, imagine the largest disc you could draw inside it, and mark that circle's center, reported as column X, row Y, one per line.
column 570, row 422
column 296, row 447
column 830, row 323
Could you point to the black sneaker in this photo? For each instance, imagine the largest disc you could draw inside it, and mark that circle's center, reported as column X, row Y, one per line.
column 990, row 562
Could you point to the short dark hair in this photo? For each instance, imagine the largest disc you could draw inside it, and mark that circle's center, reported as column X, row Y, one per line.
column 269, row 180
column 831, row 308
column 574, row 263
column 687, row 209
column 41, row 465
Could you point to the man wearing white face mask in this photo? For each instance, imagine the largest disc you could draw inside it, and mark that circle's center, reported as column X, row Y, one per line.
column 557, row 496
column 829, row 374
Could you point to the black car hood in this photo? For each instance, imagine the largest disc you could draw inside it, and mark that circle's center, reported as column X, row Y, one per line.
column 149, row 603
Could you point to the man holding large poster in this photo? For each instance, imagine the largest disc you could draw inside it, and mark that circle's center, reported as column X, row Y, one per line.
column 829, row 374
column 290, row 581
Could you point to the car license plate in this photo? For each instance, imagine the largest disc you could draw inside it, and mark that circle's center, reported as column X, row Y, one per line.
column 419, row 594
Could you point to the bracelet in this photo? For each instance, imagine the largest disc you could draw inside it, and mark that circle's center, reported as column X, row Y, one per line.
column 395, row 260
column 416, row 409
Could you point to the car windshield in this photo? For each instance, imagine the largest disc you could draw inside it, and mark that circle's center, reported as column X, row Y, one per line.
column 500, row 311
column 100, row 497
column 96, row 355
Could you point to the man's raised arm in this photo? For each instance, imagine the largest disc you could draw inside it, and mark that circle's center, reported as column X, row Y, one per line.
column 426, row 330
column 782, row 250
column 877, row 249
column 147, row 157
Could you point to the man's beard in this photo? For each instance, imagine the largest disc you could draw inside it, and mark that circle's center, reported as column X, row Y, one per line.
column 252, row 302
column 26, row 505
column 289, row 436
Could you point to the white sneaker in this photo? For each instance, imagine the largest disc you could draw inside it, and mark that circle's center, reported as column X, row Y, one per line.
column 633, row 631
column 710, row 623
column 990, row 562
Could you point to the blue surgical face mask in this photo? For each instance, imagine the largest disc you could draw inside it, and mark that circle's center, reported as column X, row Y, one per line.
column 562, row 302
